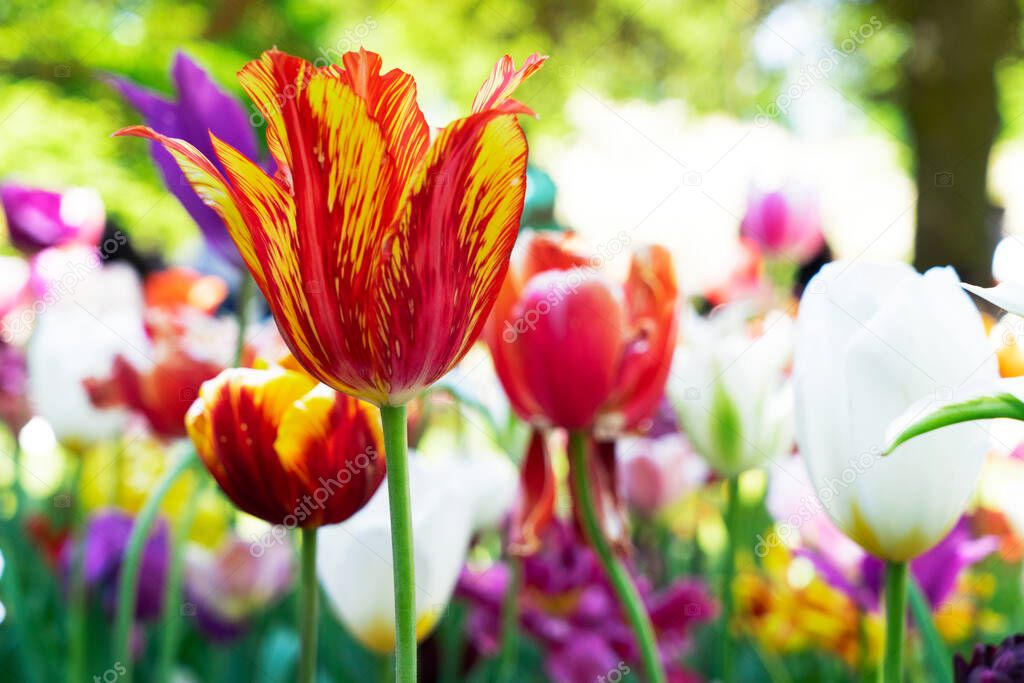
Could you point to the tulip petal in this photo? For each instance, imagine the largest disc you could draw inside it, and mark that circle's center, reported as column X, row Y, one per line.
column 202, row 175
column 344, row 187
column 391, row 101
column 651, row 296
column 234, row 424
column 496, row 91
column 345, row 438
column 538, row 491
column 1006, row 295
column 448, row 257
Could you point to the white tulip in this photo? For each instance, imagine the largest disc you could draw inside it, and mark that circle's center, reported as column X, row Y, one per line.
column 873, row 341
column 731, row 391
column 451, row 500
column 1006, row 295
column 91, row 315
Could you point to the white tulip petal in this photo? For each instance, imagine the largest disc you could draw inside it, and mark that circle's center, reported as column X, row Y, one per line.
column 1008, row 296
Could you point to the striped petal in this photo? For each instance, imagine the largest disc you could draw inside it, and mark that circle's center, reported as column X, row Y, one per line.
column 339, row 172
column 234, row 425
column 201, row 174
column 447, row 260
column 391, row 101
column 496, row 92
column 334, row 444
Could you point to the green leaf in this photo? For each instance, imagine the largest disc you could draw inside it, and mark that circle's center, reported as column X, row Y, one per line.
column 983, row 408
column 936, row 655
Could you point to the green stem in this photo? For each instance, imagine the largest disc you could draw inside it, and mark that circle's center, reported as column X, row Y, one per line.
column 510, row 622
column 128, row 581
column 895, row 620
column 395, row 447
column 935, row 652
column 732, row 516
column 625, row 590
column 310, row 592
column 245, row 288
column 17, row 484
column 170, row 616
column 18, row 618
column 77, row 598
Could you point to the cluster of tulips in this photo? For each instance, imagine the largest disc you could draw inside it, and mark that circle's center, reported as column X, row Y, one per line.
column 390, row 256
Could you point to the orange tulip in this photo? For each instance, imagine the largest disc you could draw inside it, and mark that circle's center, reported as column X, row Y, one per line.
column 379, row 251
column 286, row 449
column 575, row 348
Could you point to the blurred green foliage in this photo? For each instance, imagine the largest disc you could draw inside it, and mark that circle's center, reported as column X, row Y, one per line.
column 56, row 113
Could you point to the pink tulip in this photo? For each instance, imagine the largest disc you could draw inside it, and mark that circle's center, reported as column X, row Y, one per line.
column 785, row 222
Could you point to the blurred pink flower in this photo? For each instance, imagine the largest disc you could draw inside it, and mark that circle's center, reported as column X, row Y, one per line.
column 39, row 219
column 242, row 578
column 784, row 222
column 656, row 471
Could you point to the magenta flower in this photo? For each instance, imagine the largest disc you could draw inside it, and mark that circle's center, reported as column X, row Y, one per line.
column 38, row 219
column 567, row 606
column 201, row 108
column 784, row 223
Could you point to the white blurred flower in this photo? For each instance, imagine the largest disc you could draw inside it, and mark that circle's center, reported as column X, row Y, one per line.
column 875, row 343
column 451, row 500
column 90, row 315
column 729, row 385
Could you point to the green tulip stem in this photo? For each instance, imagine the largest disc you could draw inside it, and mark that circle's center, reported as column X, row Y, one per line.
column 895, row 620
column 245, row 292
column 309, row 608
column 171, row 613
column 510, row 622
column 76, row 595
column 732, row 516
column 128, row 581
column 625, row 590
column 396, row 453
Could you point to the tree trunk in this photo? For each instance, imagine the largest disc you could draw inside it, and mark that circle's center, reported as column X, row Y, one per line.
column 950, row 99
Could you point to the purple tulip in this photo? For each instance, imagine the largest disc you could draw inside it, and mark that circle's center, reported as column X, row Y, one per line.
column 784, row 223
column 992, row 664
column 201, row 108
column 106, row 540
column 936, row 571
column 38, row 219
column 568, row 607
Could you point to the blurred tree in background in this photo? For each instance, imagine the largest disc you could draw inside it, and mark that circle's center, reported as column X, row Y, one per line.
column 931, row 83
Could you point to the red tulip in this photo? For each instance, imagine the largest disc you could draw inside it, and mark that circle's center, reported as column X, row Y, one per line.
column 286, row 449
column 575, row 348
column 538, row 492
column 379, row 250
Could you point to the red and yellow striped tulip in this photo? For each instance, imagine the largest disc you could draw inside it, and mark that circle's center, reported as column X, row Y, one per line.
column 379, row 250
column 285, row 448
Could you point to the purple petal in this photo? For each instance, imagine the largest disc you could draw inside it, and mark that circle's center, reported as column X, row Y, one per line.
column 202, row 108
